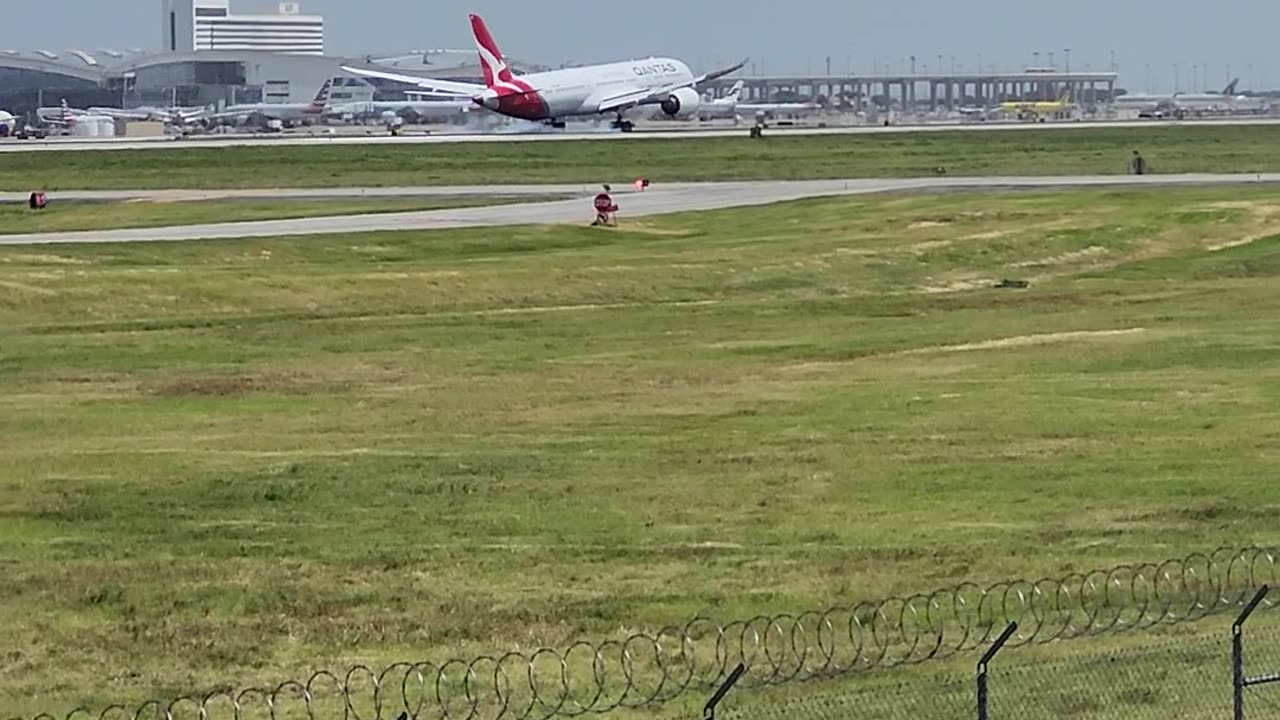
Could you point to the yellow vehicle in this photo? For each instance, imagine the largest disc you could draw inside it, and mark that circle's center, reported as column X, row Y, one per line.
column 1038, row 110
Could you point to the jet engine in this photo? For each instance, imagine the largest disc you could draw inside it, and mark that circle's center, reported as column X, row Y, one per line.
column 682, row 103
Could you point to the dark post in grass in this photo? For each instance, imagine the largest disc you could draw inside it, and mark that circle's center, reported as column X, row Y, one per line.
column 709, row 710
column 982, row 667
column 1238, row 681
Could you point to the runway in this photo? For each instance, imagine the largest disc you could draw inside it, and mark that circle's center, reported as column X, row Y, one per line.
column 664, row 199
column 602, row 133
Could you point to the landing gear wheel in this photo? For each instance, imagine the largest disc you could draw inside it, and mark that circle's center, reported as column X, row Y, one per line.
column 557, row 124
column 624, row 125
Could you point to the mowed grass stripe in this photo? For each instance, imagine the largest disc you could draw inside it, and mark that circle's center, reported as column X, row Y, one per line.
column 1084, row 150
column 80, row 215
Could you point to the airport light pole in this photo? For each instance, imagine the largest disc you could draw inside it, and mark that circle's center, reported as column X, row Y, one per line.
column 1070, row 87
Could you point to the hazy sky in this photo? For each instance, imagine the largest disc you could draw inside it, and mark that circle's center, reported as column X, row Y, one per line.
column 779, row 35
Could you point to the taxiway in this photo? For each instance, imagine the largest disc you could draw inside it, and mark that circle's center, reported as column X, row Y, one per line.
column 663, row 199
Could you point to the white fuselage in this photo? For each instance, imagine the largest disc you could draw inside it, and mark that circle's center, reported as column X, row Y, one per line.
column 282, row 111
column 580, row 91
column 786, row 109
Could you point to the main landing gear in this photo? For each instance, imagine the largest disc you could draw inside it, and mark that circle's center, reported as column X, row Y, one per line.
column 622, row 124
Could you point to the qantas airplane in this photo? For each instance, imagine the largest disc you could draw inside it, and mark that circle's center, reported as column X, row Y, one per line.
column 550, row 97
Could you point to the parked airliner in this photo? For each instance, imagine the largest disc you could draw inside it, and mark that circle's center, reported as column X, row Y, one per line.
column 284, row 112
column 550, row 97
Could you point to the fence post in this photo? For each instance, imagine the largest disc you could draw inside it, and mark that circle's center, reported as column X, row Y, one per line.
column 709, row 710
column 1238, row 683
column 982, row 667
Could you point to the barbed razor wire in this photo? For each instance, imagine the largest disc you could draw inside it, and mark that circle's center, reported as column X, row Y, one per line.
column 648, row 669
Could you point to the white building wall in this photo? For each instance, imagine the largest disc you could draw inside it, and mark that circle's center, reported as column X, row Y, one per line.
column 213, row 26
column 178, row 31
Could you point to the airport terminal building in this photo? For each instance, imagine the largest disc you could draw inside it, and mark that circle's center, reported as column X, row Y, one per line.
column 115, row 78
column 208, row 55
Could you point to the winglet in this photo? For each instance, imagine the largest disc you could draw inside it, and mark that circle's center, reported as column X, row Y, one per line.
column 721, row 73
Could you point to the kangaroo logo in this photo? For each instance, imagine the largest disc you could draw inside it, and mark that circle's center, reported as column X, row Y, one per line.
column 497, row 75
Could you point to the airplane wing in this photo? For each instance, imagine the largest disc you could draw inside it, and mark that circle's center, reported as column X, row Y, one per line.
column 241, row 113
column 718, row 73
column 120, row 114
column 632, row 98
column 444, row 87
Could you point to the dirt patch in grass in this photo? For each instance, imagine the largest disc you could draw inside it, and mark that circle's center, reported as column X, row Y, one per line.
column 1026, row 340
column 234, row 385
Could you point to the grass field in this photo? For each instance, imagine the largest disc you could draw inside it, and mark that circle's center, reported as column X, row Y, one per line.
column 239, row 461
column 108, row 215
column 142, row 214
column 1011, row 152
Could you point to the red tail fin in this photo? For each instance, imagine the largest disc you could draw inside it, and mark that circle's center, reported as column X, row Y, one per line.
column 495, row 68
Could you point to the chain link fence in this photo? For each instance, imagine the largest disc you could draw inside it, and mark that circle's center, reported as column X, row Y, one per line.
column 1259, row 679
column 1187, row 673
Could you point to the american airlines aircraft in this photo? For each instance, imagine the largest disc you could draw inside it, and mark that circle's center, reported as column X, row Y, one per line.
column 550, row 97
column 65, row 116
column 285, row 112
